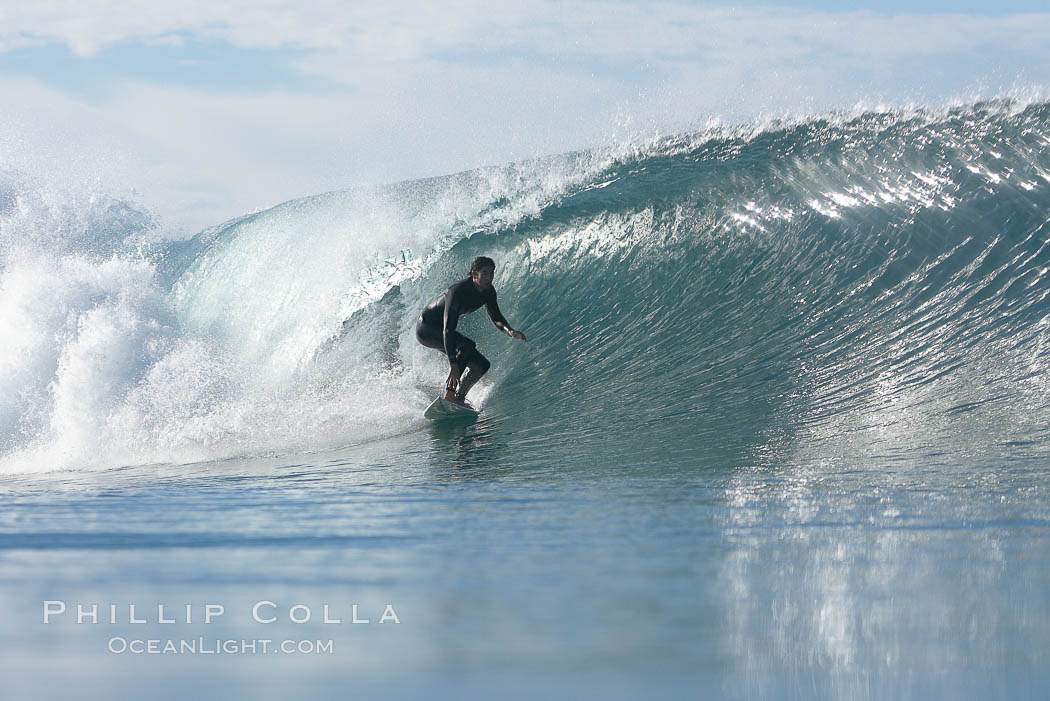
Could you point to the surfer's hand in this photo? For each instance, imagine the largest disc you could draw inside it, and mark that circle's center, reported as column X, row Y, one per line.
column 518, row 335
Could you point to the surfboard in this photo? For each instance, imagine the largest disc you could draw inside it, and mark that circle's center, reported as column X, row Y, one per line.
column 442, row 408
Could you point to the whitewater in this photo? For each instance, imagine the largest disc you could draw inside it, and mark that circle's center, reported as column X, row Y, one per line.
column 780, row 428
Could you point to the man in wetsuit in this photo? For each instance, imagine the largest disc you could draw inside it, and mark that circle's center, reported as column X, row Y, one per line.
column 436, row 327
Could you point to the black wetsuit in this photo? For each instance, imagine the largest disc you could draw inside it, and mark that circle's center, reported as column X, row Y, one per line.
column 436, row 327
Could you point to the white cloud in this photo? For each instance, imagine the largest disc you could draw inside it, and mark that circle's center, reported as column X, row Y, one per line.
column 605, row 29
column 436, row 87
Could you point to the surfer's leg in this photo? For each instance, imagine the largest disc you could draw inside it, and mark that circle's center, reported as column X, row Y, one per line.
column 432, row 337
column 466, row 352
column 466, row 349
column 465, row 358
column 477, row 366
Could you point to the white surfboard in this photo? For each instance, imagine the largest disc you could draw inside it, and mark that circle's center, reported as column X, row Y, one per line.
column 442, row 408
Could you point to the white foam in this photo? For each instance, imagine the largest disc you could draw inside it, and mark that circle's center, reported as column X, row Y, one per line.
column 103, row 367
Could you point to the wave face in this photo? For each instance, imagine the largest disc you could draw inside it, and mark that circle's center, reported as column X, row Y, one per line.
column 861, row 288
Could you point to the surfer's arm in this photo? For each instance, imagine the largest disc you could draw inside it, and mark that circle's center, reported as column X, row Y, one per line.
column 449, row 324
column 498, row 319
column 505, row 328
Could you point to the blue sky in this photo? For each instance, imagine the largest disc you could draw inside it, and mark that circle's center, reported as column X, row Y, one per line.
column 205, row 64
column 208, row 110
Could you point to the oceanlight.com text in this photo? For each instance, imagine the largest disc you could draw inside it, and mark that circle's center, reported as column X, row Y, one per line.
column 217, row 646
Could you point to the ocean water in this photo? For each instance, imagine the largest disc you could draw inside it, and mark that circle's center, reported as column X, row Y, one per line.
column 780, row 429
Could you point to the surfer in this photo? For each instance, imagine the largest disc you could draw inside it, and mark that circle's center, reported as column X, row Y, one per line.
column 436, row 327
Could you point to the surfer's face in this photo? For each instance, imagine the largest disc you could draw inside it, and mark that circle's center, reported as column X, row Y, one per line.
column 483, row 278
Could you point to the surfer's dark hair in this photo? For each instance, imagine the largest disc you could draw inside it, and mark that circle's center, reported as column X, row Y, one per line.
column 482, row 262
